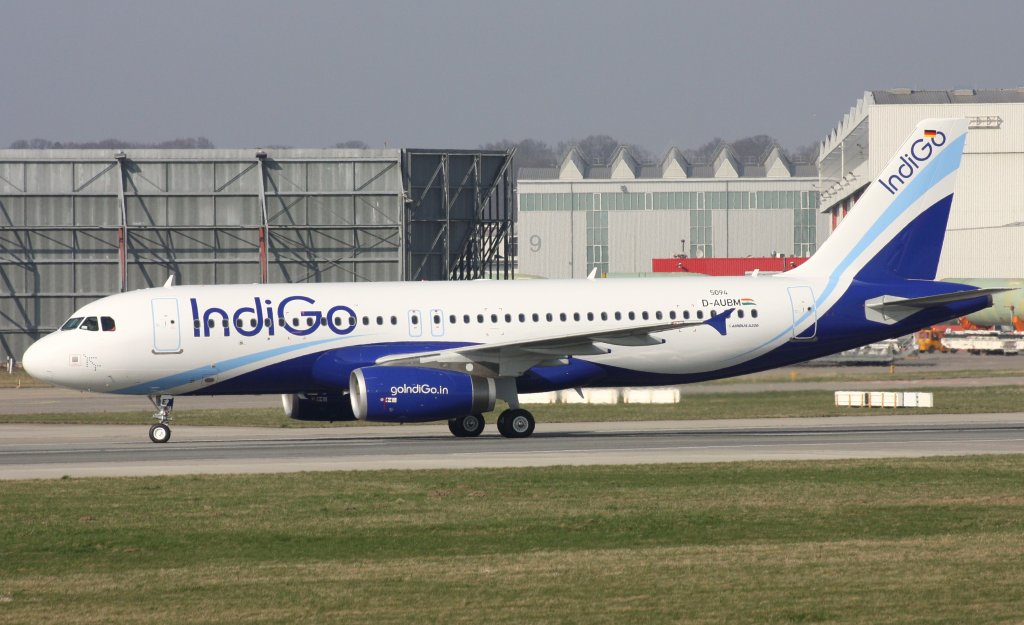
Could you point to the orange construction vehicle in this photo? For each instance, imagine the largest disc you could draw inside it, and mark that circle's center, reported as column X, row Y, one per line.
column 930, row 340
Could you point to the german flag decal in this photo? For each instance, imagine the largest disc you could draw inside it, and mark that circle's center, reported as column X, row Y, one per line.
column 929, row 133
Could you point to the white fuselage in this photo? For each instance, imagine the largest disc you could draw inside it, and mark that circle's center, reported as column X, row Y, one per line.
column 183, row 339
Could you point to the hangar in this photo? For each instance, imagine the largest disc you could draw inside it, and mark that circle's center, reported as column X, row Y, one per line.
column 77, row 225
column 617, row 217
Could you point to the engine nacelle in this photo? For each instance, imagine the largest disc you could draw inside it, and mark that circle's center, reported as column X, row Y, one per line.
column 317, row 407
column 409, row 394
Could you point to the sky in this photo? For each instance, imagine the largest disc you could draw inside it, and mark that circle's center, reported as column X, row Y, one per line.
column 457, row 74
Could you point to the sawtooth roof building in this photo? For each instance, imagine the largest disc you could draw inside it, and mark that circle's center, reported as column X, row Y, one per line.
column 617, row 217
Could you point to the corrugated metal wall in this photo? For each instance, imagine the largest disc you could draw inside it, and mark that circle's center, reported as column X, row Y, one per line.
column 636, row 237
column 330, row 215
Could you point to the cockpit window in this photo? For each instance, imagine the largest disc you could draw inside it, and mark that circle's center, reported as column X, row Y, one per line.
column 71, row 323
column 108, row 324
column 91, row 324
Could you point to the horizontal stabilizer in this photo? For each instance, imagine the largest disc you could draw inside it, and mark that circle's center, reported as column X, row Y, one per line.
column 889, row 309
column 932, row 300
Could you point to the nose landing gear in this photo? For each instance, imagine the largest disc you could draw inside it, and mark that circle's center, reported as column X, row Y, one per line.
column 161, row 432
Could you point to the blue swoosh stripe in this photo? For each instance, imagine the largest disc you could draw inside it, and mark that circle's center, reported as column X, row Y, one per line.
column 178, row 379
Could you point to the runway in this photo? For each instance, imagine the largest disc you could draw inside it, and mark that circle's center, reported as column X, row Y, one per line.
column 54, row 451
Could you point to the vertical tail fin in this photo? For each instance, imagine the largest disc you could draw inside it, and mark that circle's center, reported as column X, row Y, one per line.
column 896, row 229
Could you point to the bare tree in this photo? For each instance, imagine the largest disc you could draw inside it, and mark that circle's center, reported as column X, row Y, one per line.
column 187, row 143
column 353, row 145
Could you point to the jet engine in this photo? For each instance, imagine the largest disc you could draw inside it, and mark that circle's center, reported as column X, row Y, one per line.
column 411, row 394
column 317, row 407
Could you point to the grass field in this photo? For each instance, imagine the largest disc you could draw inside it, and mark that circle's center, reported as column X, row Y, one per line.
column 902, row 541
column 711, row 406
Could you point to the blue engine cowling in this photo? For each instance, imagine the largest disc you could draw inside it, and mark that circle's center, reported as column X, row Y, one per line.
column 409, row 394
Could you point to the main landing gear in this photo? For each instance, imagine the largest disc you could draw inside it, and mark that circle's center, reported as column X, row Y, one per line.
column 161, row 432
column 516, row 423
column 468, row 426
column 512, row 423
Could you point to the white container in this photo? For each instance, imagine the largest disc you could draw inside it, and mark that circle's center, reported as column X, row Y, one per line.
column 539, row 398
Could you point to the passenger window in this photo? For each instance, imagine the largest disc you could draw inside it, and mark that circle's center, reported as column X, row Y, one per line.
column 452, row 318
column 618, row 316
column 522, row 317
column 753, row 313
column 108, row 324
column 713, row 313
column 631, row 315
column 644, row 315
column 465, row 318
column 536, row 317
column 309, row 322
column 549, row 317
column 437, row 319
column 739, row 313
column 508, row 318
column 672, row 315
column 479, row 318
column 73, row 322
column 561, row 316
column 604, row 316
column 366, row 320
column 380, row 321
column 590, row 316
column 90, row 324
column 657, row 315
column 700, row 314
column 209, row 323
column 686, row 314
column 351, row 322
column 494, row 318
column 196, row 323
column 394, row 320
column 280, row 321
column 238, row 322
column 575, row 316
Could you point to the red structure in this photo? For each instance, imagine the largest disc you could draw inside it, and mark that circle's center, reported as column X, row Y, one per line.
column 724, row 266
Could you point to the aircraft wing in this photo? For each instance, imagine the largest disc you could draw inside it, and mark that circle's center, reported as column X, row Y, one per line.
column 513, row 358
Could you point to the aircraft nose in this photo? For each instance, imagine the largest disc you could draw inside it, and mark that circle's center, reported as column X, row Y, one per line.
column 34, row 361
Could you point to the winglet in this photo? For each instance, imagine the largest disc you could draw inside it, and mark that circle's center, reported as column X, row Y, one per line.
column 593, row 274
column 170, row 281
column 718, row 321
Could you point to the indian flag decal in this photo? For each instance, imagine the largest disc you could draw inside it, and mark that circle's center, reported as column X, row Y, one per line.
column 929, row 133
column 746, row 301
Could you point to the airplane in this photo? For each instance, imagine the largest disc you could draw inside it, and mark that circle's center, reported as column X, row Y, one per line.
column 434, row 351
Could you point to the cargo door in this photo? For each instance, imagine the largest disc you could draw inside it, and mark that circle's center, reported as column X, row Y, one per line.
column 805, row 316
column 166, row 328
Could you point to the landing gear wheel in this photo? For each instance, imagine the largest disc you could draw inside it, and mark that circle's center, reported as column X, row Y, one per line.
column 467, row 426
column 164, row 404
column 516, row 423
column 159, row 433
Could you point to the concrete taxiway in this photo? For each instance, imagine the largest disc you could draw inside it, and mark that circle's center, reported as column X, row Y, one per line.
column 54, row 451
